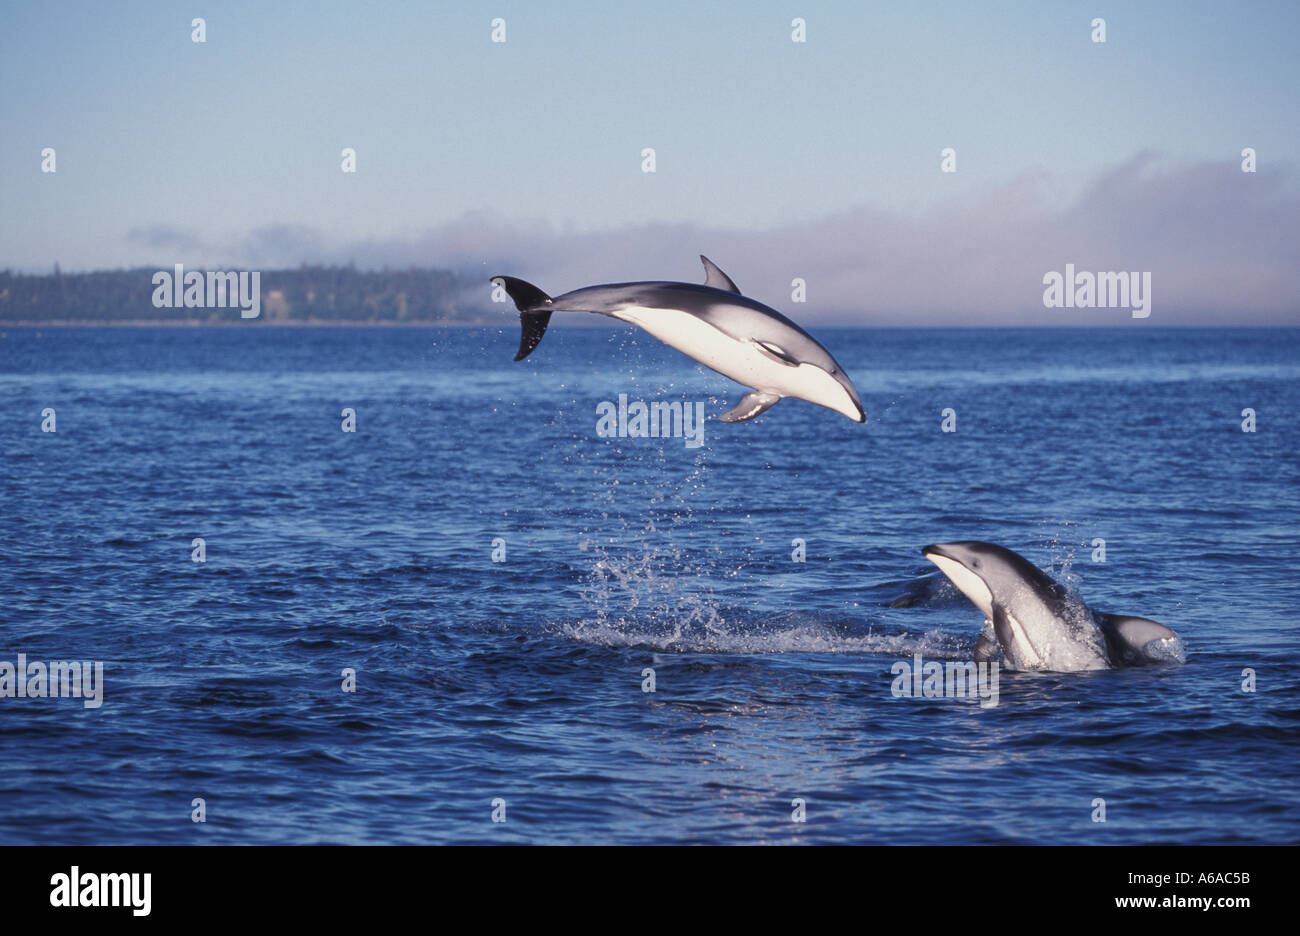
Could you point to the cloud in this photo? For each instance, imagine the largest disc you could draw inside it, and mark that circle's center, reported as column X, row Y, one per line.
column 166, row 237
column 1219, row 243
column 279, row 246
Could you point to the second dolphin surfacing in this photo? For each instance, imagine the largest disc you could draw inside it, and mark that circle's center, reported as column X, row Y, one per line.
column 1037, row 623
column 734, row 335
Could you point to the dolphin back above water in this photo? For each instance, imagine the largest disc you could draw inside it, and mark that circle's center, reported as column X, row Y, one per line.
column 1039, row 625
column 714, row 324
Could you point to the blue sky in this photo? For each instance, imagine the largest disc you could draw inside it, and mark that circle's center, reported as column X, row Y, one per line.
column 228, row 152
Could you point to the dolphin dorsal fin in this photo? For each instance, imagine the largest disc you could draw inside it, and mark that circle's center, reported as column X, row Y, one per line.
column 1136, row 631
column 716, row 278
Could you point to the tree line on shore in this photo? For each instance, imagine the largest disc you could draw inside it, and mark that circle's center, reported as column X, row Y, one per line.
column 307, row 294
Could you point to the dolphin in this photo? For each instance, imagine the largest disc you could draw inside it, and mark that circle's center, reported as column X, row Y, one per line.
column 1037, row 623
column 734, row 335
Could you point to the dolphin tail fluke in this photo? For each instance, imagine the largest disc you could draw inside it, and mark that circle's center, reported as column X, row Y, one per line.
column 750, row 405
column 534, row 312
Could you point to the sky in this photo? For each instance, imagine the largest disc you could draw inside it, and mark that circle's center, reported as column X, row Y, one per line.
column 817, row 160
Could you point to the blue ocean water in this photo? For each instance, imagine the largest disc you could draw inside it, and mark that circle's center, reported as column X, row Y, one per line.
column 522, row 680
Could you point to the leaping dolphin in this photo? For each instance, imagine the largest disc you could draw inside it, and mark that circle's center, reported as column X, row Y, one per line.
column 714, row 324
column 1037, row 623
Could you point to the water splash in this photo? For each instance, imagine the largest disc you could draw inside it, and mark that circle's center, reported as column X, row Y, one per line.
column 665, row 600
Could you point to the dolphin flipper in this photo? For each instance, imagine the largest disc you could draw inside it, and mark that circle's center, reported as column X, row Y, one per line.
column 750, row 405
column 716, row 278
column 987, row 647
column 1016, row 646
column 1002, row 627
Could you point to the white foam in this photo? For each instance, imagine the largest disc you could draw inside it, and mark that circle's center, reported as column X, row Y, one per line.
column 756, row 636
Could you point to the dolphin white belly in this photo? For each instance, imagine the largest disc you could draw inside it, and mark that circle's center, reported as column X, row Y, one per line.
column 742, row 361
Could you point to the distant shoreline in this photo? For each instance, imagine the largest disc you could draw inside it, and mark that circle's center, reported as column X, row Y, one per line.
column 511, row 323
column 241, row 323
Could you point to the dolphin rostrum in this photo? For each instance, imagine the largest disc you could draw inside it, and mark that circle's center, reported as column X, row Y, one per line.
column 1037, row 623
column 734, row 335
